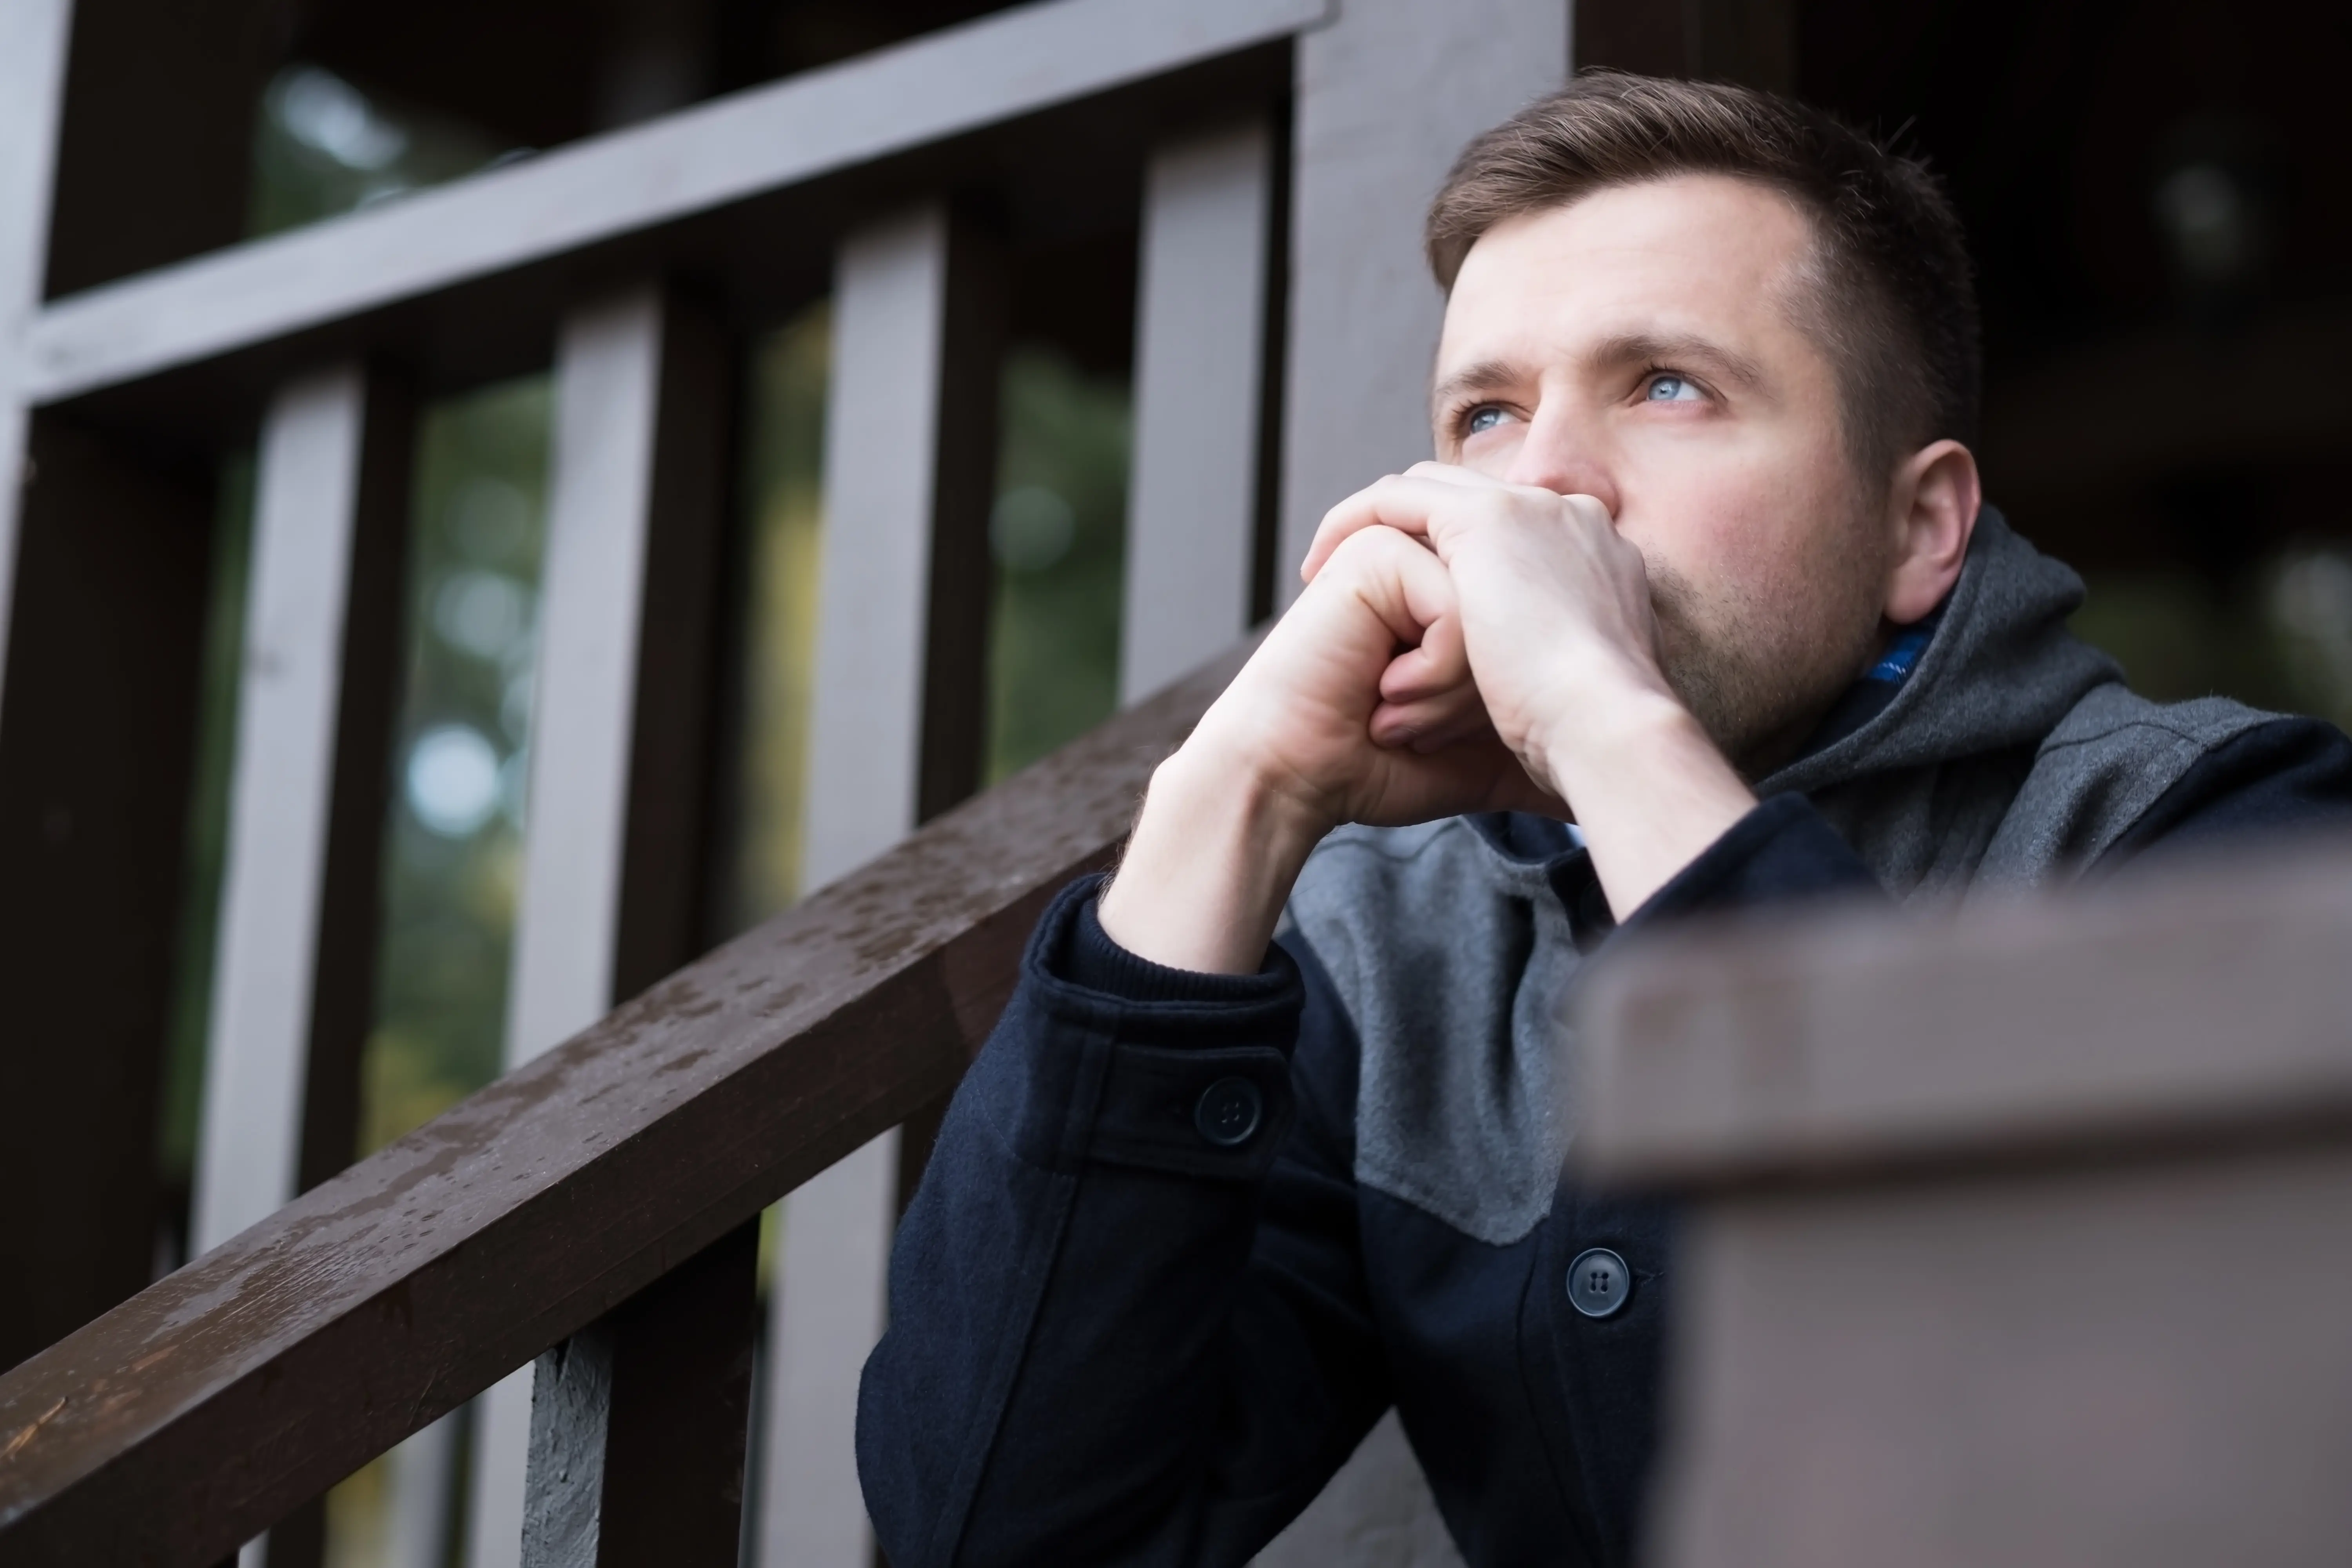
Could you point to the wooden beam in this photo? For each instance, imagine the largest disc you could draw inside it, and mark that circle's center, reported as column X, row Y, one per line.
column 621, row 696
column 1386, row 97
column 279, row 1362
column 293, row 992
column 33, row 35
column 2131, row 1361
column 883, row 406
column 1199, row 344
column 934, row 88
column 2190, row 1007
column 638, row 1425
column 894, row 736
column 97, row 750
column 2022, row 1234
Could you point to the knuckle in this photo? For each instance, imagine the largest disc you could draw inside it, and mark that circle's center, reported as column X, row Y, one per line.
column 1362, row 542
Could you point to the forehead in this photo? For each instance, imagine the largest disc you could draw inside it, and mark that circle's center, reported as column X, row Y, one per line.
column 1704, row 254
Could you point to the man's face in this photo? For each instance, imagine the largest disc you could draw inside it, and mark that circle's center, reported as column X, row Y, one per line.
column 1639, row 346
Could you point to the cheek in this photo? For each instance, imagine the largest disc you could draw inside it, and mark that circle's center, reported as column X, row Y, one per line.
column 1756, row 518
column 1494, row 452
column 1712, row 529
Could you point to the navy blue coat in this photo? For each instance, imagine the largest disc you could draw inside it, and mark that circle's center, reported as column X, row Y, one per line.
column 1113, row 1341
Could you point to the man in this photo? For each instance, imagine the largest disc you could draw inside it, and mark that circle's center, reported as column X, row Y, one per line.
column 1701, row 570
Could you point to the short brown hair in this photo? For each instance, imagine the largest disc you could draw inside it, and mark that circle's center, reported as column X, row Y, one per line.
column 1893, row 304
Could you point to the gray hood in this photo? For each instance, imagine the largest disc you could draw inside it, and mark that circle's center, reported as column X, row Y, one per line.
column 1999, row 673
column 2012, row 754
column 1921, row 789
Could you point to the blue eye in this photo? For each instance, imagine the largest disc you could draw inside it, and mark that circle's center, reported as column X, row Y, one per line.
column 1671, row 388
column 1485, row 418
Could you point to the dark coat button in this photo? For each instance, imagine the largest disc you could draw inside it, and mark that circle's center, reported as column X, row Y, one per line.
column 1229, row 1112
column 1599, row 1282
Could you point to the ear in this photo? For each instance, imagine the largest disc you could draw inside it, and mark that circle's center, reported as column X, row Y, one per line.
column 1933, row 510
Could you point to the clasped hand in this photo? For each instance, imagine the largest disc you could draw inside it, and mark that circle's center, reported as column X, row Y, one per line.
column 1462, row 645
column 1540, row 631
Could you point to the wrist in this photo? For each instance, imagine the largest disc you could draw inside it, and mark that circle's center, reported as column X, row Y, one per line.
column 1651, row 790
column 1209, row 864
column 1614, row 728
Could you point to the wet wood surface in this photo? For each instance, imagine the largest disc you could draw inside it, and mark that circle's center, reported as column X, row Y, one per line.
column 608, row 189
column 2023, row 1235
column 2203, row 998
column 215, row 1402
column 638, row 1423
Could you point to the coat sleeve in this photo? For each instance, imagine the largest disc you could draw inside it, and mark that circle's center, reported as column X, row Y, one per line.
column 2288, row 775
column 1782, row 852
column 1128, row 1321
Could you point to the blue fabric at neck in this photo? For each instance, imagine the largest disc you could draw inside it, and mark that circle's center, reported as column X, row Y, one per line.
column 1542, row 840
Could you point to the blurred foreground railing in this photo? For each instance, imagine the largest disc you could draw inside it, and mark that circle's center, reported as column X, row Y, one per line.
column 601, row 1199
column 2025, row 1239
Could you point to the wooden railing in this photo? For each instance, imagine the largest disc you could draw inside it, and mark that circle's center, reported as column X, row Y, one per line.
column 2021, row 1238
column 600, row 1200
column 1972, row 1203
column 1269, row 159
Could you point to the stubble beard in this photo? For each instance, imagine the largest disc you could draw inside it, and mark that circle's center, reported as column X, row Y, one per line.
column 1760, row 671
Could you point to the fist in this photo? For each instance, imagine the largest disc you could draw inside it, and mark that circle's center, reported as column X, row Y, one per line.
column 1360, row 705
column 1549, row 607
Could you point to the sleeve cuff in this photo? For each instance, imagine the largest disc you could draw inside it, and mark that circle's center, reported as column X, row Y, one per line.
column 1090, row 959
column 1782, row 852
column 1104, row 1058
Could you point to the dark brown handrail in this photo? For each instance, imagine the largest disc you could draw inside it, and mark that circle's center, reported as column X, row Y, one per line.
column 2016, row 1237
column 2192, row 1000
column 211, row 1404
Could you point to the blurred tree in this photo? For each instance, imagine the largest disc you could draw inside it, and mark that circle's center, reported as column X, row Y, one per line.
column 455, row 840
column 775, row 587
column 1058, row 536
column 321, row 146
column 192, row 987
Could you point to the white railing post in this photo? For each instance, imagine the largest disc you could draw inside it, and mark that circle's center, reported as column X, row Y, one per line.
column 639, row 426
column 1386, row 96
column 33, row 37
column 909, row 436
column 814, row 125
column 298, row 887
column 1200, row 332
column 307, row 508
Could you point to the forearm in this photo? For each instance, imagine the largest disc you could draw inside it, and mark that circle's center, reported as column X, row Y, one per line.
column 1209, row 866
column 1650, row 791
column 1073, row 1304
column 1064, row 1326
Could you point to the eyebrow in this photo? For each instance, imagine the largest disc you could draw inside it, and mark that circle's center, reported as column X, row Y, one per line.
column 1727, row 362
column 1486, row 375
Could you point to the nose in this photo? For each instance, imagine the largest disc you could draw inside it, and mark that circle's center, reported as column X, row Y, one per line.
column 1565, row 455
